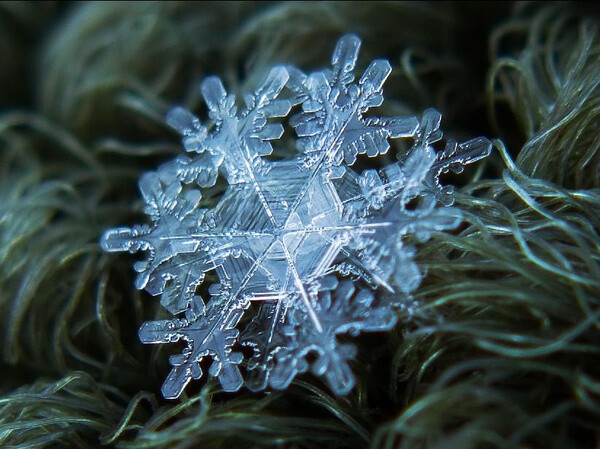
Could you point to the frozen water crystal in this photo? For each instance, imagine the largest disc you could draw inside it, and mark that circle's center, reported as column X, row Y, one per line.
column 306, row 246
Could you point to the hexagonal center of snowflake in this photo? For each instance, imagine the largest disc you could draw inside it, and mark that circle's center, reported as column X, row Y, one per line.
column 288, row 228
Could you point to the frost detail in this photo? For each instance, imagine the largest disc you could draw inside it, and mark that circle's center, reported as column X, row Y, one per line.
column 308, row 246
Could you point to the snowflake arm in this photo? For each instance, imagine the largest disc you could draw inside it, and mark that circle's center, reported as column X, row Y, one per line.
column 210, row 337
column 343, row 309
column 331, row 126
column 238, row 140
column 173, row 259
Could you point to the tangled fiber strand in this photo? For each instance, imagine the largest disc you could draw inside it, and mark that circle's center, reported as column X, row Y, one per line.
column 251, row 421
column 553, row 89
column 67, row 413
column 500, row 348
column 53, row 298
column 109, row 61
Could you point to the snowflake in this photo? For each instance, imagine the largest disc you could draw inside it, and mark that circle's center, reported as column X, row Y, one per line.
column 307, row 246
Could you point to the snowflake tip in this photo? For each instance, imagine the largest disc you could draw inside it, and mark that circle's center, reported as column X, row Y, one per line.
column 214, row 93
column 346, row 53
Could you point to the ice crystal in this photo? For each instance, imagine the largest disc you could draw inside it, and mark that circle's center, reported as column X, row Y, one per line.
column 308, row 246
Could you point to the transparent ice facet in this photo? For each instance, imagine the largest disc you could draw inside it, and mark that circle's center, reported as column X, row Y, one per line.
column 308, row 246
